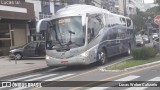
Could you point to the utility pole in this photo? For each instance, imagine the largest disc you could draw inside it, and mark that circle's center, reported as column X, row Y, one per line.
column 124, row 6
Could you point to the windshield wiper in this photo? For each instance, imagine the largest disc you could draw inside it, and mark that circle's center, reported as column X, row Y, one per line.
column 70, row 41
column 55, row 34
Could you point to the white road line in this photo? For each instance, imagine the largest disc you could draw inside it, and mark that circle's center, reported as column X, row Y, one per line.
column 155, row 79
column 142, row 88
column 128, row 78
column 34, row 79
column 136, row 88
column 52, row 79
column 25, row 77
column 97, row 88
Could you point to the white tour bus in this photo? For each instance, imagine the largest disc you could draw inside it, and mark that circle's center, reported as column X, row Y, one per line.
column 84, row 34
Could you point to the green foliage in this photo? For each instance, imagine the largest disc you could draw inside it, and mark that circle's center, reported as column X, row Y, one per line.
column 158, row 2
column 144, row 53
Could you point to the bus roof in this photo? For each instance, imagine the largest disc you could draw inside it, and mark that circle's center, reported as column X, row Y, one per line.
column 79, row 9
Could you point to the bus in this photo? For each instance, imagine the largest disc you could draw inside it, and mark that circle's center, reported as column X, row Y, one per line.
column 84, row 34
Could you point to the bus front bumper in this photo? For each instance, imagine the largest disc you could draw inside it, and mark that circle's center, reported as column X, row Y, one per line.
column 78, row 60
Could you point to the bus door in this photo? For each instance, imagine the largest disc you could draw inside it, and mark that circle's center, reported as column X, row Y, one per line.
column 113, row 43
column 123, row 41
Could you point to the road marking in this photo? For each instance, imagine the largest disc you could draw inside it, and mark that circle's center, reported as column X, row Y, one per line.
column 142, row 88
column 128, row 78
column 63, row 76
column 75, row 76
column 116, row 76
column 155, row 79
column 24, row 77
column 97, row 88
column 136, row 88
column 52, row 79
column 41, row 77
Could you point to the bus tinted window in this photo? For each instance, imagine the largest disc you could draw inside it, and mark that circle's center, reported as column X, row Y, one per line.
column 95, row 24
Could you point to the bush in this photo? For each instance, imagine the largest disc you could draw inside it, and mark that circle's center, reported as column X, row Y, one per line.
column 144, row 53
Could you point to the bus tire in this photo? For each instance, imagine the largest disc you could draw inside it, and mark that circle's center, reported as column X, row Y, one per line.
column 103, row 56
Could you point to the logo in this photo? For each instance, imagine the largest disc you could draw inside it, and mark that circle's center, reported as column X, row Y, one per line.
column 6, row 84
column 11, row 2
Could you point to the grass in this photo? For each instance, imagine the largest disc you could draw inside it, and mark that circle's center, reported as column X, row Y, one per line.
column 131, row 63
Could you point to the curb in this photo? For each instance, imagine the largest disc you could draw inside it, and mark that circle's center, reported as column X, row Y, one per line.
column 130, row 68
column 23, row 73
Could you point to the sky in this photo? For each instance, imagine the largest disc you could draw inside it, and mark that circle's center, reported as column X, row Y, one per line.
column 148, row 1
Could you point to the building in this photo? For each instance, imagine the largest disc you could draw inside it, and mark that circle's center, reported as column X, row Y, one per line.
column 15, row 17
column 42, row 9
column 126, row 7
column 140, row 5
column 131, row 7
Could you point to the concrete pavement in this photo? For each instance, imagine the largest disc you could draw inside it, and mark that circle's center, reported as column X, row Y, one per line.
column 11, row 67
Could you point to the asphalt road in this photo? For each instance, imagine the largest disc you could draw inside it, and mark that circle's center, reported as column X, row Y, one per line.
column 91, row 73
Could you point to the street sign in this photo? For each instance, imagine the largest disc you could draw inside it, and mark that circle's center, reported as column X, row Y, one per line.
column 157, row 20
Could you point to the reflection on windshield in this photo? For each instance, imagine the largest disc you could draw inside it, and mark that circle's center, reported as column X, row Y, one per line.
column 66, row 32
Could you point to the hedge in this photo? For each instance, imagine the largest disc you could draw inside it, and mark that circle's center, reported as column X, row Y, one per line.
column 143, row 53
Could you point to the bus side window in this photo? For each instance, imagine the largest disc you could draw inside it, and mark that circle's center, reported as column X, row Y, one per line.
column 113, row 34
column 95, row 24
column 122, row 34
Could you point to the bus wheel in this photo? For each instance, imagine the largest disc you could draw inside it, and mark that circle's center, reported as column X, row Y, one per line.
column 103, row 57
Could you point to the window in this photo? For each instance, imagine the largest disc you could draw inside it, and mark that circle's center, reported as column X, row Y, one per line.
column 112, row 34
column 95, row 24
column 157, row 40
column 45, row 2
column 4, row 31
column 121, row 33
column 42, row 45
column 31, row 45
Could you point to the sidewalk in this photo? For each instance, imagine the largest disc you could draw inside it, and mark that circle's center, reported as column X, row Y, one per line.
column 9, row 67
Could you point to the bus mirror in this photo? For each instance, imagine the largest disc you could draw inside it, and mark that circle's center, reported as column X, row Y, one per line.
column 41, row 25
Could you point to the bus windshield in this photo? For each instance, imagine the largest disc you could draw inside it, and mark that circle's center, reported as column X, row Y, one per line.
column 66, row 32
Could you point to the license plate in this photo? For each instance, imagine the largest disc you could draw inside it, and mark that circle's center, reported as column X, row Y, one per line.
column 64, row 62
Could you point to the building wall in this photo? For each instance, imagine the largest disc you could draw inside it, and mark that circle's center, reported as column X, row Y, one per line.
column 15, row 17
column 42, row 8
column 131, row 7
column 121, row 7
column 127, row 7
column 20, row 37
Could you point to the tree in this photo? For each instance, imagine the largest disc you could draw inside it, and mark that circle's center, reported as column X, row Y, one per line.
column 158, row 2
column 139, row 20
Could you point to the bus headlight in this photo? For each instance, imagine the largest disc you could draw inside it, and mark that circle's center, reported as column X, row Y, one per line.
column 48, row 57
column 85, row 54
